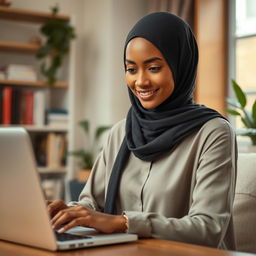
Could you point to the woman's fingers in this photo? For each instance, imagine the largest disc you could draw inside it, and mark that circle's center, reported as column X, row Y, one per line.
column 48, row 202
column 68, row 215
column 55, row 206
column 81, row 216
column 79, row 221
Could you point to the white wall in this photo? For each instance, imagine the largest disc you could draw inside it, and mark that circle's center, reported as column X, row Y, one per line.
column 106, row 26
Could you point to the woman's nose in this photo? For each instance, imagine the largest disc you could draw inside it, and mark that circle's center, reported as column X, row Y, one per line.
column 142, row 79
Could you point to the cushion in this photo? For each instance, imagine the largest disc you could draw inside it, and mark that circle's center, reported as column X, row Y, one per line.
column 245, row 203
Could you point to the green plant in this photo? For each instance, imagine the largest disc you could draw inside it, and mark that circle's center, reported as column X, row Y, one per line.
column 248, row 117
column 59, row 34
column 86, row 157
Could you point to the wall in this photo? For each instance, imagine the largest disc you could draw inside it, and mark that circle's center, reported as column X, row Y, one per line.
column 106, row 98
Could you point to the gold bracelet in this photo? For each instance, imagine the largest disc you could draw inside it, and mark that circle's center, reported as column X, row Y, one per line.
column 126, row 223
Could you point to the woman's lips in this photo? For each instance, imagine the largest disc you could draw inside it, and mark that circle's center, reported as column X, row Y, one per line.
column 146, row 95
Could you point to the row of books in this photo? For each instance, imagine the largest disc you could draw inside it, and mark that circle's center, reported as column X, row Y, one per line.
column 16, row 106
column 50, row 150
column 28, row 107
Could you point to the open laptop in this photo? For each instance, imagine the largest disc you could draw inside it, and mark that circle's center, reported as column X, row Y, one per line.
column 23, row 214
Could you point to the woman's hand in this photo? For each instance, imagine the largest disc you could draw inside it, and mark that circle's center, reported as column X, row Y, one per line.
column 81, row 216
column 55, row 206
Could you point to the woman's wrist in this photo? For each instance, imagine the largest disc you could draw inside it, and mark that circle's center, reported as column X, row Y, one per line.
column 121, row 223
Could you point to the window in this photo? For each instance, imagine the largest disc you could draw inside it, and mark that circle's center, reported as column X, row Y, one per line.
column 243, row 48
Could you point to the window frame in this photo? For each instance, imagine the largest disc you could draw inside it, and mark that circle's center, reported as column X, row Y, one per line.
column 232, row 42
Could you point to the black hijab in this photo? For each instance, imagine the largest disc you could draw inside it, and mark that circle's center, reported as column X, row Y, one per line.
column 150, row 133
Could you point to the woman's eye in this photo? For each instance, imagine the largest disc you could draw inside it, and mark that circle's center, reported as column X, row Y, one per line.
column 131, row 70
column 155, row 69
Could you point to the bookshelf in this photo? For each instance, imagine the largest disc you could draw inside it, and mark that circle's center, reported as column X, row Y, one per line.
column 18, row 47
column 57, row 97
column 14, row 14
column 32, row 84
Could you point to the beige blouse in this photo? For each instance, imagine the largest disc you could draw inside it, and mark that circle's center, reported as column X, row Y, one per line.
column 186, row 196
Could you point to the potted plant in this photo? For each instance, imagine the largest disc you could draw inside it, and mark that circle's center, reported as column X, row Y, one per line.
column 248, row 117
column 59, row 34
column 86, row 156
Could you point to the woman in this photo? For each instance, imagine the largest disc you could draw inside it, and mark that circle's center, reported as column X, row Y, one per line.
column 168, row 170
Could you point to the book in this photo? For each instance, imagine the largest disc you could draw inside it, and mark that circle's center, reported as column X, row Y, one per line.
column 40, row 148
column 20, row 72
column 62, row 149
column 39, row 107
column 1, row 104
column 55, row 150
column 50, row 151
column 29, row 107
column 16, row 97
column 57, row 117
column 7, row 105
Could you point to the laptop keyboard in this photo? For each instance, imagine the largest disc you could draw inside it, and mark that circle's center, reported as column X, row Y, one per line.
column 67, row 237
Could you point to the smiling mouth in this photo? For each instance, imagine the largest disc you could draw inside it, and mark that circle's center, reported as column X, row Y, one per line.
column 146, row 95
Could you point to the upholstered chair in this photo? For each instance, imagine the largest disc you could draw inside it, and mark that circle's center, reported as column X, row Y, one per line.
column 245, row 203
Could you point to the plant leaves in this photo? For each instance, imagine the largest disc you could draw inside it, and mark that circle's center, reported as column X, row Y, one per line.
column 43, row 51
column 59, row 34
column 100, row 130
column 233, row 112
column 245, row 122
column 254, row 113
column 248, row 117
column 233, row 103
column 239, row 94
column 85, row 157
column 85, row 125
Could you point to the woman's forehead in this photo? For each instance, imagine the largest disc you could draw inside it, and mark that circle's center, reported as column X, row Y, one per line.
column 139, row 47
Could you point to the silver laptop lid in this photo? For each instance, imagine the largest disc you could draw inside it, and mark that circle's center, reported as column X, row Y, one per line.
column 23, row 215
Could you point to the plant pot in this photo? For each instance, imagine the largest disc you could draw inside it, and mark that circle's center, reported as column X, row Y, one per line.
column 83, row 175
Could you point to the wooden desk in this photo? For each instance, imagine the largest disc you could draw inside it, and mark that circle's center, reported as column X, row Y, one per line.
column 143, row 247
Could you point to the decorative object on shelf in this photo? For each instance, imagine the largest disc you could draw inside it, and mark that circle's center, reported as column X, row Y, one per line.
column 86, row 157
column 5, row 3
column 59, row 34
column 57, row 117
column 20, row 72
column 248, row 117
column 2, row 75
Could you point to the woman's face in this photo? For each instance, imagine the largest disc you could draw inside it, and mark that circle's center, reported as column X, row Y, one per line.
column 147, row 73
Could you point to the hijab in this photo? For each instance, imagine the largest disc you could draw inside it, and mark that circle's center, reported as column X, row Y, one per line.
column 151, row 133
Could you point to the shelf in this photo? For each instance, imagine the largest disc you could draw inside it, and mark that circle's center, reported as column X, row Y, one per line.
column 33, row 84
column 18, row 47
column 45, row 170
column 44, row 128
column 15, row 14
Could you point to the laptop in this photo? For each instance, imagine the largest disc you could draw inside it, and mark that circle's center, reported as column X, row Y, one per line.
column 23, row 214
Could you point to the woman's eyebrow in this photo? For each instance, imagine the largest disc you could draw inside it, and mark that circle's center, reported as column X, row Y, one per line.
column 151, row 60
column 145, row 61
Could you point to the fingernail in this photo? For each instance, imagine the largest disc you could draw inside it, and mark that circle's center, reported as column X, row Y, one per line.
column 61, row 230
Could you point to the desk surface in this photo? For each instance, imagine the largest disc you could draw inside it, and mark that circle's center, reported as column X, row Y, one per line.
column 142, row 247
